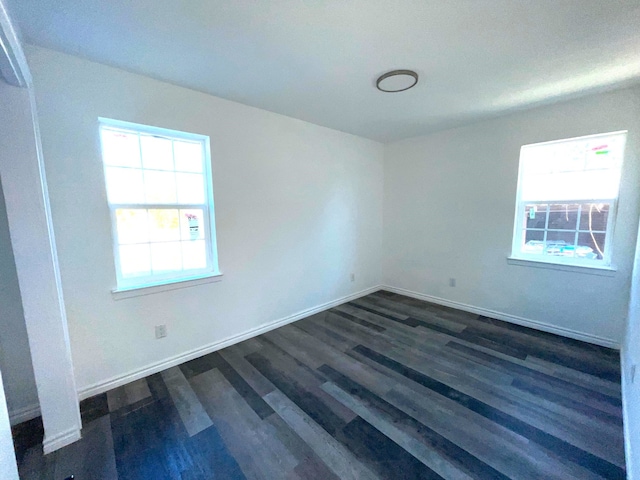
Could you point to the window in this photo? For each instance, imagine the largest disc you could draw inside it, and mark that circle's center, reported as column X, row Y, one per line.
column 159, row 192
column 566, row 201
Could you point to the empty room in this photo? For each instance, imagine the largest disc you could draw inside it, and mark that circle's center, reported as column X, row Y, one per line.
column 319, row 239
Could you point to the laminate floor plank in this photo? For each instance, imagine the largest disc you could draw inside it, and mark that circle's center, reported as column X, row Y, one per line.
column 326, row 335
column 316, row 406
column 400, row 331
column 410, row 437
column 305, row 378
column 148, row 442
column 258, row 454
column 519, row 402
column 378, row 307
column 610, row 388
column 464, row 426
column 193, row 416
column 431, row 356
column 496, row 445
column 249, row 374
column 309, row 463
column 381, row 387
column 538, row 344
column 93, row 458
column 338, row 458
column 343, row 363
column 528, row 374
column 505, row 418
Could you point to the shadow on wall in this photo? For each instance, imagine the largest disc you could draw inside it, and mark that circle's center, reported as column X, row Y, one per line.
column 15, row 357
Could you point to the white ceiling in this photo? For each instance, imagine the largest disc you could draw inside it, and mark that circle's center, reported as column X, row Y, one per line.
column 317, row 60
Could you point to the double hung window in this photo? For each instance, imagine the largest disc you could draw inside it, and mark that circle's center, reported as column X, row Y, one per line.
column 566, row 200
column 160, row 196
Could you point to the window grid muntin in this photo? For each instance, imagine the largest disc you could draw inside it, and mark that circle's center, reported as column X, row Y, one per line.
column 520, row 235
column 172, row 273
column 516, row 250
column 206, row 207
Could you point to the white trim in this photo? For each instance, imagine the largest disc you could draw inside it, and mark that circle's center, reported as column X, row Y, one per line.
column 519, row 228
column 117, row 381
column 582, row 137
column 61, row 440
column 525, row 322
column 13, row 63
column 24, row 414
column 167, row 133
column 587, row 269
column 128, row 292
column 207, row 207
column 626, row 399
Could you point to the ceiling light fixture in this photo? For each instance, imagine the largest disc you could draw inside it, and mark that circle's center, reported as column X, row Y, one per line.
column 397, row 81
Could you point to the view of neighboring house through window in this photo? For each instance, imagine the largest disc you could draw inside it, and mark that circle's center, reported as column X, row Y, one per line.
column 566, row 201
column 159, row 191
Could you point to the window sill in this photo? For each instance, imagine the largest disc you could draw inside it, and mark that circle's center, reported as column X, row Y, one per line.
column 128, row 292
column 586, row 269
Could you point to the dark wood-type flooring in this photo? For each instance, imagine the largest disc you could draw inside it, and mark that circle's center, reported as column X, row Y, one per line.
column 382, row 387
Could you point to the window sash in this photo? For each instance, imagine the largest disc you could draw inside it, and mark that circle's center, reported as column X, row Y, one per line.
column 159, row 278
column 207, row 207
column 519, row 230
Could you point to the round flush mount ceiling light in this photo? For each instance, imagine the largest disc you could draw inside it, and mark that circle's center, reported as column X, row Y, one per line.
column 397, row 81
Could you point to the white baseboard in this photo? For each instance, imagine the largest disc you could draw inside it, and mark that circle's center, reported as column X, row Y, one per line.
column 23, row 414
column 525, row 322
column 114, row 382
column 51, row 444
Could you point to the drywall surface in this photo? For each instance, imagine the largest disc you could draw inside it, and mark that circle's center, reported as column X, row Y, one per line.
column 34, row 252
column 631, row 376
column 298, row 209
column 15, row 357
column 449, row 205
column 7, row 453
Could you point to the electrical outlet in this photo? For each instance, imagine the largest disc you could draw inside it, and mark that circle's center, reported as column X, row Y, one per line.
column 161, row 331
column 452, row 282
column 353, row 277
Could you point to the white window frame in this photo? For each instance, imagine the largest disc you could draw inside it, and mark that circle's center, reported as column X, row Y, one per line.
column 520, row 210
column 154, row 280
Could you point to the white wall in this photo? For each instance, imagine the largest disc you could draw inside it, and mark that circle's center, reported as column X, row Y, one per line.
column 630, row 382
column 449, row 201
column 34, row 249
column 298, row 208
column 15, row 357
column 7, row 453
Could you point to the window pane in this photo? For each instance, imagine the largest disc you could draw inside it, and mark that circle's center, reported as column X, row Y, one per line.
column 533, row 242
column 135, row 260
column 164, row 225
column 563, row 216
column 190, row 187
column 535, row 216
column 124, row 185
column 120, row 149
column 572, row 169
column 157, row 153
column 133, row 226
column 160, row 187
column 192, row 224
column 560, row 243
column 536, row 235
column 194, row 255
column 166, row 257
column 591, row 246
column 188, row 156
column 595, row 213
